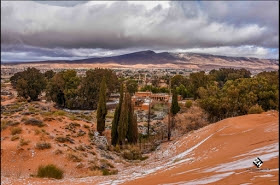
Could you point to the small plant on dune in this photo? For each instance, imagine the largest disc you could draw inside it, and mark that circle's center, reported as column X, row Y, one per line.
column 59, row 113
column 47, row 113
column 50, row 171
column 16, row 130
column 31, row 109
column 86, row 126
column 15, row 137
column 256, row 109
column 73, row 117
column 43, row 145
column 61, row 139
column 80, row 148
column 133, row 153
column 74, row 158
column 57, row 152
column 34, row 122
column 188, row 103
column 3, row 124
column 37, row 131
column 23, row 142
column 106, row 163
column 25, row 118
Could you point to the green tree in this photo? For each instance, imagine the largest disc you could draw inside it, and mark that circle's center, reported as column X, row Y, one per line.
column 175, row 108
column 49, row 74
column 133, row 130
column 101, row 108
column 124, row 118
column 132, row 86
column 198, row 79
column 29, row 84
column 115, row 122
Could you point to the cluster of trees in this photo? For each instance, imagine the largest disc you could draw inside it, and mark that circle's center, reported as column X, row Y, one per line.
column 124, row 124
column 229, row 92
column 154, row 89
column 68, row 90
column 236, row 97
column 65, row 88
column 188, row 87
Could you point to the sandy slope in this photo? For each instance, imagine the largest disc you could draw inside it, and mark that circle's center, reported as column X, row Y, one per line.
column 221, row 153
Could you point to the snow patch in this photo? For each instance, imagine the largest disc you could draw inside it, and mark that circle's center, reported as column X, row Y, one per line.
column 207, row 180
column 247, row 162
column 266, row 175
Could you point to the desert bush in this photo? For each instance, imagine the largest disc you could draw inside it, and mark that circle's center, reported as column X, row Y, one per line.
column 188, row 103
column 47, row 113
column 34, row 122
column 74, row 158
column 106, row 172
column 50, row 171
column 133, row 153
column 59, row 113
column 37, row 131
column 16, row 130
column 15, row 137
column 48, row 119
column 256, row 109
column 193, row 119
column 80, row 148
column 43, row 145
column 88, row 118
column 31, row 109
column 3, row 124
column 25, row 118
column 86, row 126
column 106, row 164
column 23, row 142
column 57, row 152
column 64, row 139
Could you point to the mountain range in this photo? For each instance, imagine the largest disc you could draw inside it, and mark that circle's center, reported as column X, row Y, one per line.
column 170, row 60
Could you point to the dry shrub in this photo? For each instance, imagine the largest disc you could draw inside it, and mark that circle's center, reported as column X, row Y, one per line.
column 74, row 158
column 192, row 119
column 133, row 152
column 15, row 137
column 256, row 109
column 16, row 130
column 50, row 171
column 43, row 145
column 34, row 122
column 23, row 142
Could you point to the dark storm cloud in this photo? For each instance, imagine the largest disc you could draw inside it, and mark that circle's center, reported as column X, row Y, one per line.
column 94, row 28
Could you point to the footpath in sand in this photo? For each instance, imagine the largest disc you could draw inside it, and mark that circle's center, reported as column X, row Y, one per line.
column 220, row 153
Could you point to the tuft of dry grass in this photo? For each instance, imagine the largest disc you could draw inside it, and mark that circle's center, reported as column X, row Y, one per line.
column 16, row 130
column 43, row 145
column 23, row 142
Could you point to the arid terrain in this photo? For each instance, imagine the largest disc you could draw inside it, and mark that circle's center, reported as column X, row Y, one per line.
column 150, row 59
column 220, row 153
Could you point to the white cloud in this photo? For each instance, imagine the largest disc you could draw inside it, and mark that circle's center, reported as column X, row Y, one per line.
column 87, row 28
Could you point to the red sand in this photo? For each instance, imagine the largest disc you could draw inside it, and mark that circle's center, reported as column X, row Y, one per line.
column 221, row 153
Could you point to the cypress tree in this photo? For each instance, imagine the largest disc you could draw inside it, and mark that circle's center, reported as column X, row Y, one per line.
column 175, row 108
column 133, row 130
column 115, row 122
column 101, row 108
column 123, row 121
column 131, row 125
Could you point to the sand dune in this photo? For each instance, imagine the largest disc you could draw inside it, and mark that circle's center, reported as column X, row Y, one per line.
column 220, row 153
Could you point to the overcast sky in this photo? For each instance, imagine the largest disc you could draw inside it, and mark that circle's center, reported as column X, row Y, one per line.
column 42, row 30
